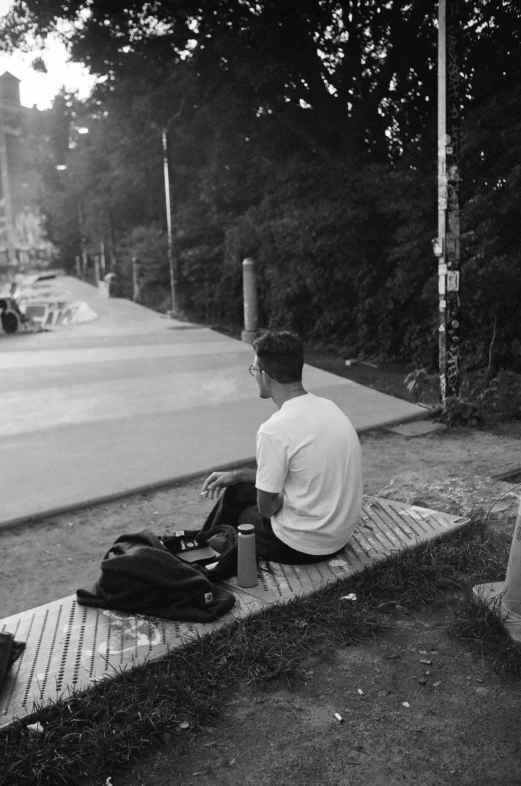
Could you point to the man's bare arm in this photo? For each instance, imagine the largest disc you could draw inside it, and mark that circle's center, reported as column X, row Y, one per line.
column 246, row 475
column 268, row 503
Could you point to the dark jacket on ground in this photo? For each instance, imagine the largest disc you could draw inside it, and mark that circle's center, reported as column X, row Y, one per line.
column 139, row 575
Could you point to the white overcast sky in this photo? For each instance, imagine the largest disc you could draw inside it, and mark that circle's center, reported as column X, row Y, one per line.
column 40, row 89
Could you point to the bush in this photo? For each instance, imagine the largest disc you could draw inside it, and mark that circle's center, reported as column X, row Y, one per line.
column 481, row 401
column 148, row 245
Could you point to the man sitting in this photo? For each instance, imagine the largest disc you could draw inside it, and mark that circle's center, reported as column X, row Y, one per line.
column 305, row 496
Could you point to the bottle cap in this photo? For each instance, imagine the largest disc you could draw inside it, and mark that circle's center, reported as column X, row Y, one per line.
column 246, row 528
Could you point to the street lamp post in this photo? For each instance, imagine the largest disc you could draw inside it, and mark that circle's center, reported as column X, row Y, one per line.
column 83, row 239
column 169, row 225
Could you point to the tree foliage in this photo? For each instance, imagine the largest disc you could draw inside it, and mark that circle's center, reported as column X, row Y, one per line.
column 302, row 133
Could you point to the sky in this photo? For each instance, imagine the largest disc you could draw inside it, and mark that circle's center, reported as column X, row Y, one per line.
column 39, row 89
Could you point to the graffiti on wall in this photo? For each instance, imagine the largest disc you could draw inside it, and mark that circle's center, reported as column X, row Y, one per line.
column 29, row 236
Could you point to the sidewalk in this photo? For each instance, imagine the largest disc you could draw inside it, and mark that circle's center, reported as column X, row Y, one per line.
column 135, row 400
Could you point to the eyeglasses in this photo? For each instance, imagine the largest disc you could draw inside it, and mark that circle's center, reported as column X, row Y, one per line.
column 253, row 369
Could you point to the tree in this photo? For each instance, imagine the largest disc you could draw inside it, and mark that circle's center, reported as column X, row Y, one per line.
column 302, row 133
column 344, row 76
column 145, row 247
column 492, row 235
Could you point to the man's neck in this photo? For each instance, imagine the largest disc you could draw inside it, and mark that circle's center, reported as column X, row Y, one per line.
column 283, row 393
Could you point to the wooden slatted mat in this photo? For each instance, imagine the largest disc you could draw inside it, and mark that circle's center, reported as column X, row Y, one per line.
column 68, row 647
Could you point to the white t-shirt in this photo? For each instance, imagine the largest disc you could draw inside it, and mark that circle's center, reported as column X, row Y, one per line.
column 310, row 451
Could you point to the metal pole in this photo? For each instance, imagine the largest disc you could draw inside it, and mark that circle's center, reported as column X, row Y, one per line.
column 83, row 240
column 447, row 244
column 452, row 234
column 136, row 290
column 169, row 224
column 249, row 286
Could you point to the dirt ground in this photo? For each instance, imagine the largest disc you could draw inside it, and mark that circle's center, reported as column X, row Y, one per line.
column 404, row 721
column 449, row 721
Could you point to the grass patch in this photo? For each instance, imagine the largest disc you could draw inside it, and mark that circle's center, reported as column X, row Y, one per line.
column 95, row 734
column 481, row 629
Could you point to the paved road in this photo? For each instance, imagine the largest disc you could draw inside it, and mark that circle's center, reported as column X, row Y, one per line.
column 132, row 400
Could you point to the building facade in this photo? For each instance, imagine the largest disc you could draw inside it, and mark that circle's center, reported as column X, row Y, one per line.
column 23, row 241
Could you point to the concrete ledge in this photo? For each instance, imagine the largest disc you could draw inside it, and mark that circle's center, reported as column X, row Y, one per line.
column 69, row 647
column 417, row 428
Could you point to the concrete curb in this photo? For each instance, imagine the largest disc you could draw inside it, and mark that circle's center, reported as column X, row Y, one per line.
column 21, row 521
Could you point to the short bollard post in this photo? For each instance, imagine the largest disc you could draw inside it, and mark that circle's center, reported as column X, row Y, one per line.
column 504, row 597
column 136, row 273
column 249, row 286
column 246, row 556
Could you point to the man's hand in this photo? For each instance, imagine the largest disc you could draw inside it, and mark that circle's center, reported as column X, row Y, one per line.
column 217, row 481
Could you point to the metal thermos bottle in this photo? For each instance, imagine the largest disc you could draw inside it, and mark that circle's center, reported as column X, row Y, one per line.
column 246, row 557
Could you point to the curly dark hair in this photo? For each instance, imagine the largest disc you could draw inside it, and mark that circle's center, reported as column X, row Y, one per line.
column 281, row 354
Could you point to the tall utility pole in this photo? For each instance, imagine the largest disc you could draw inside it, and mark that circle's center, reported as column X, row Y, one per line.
column 447, row 244
column 169, row 224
